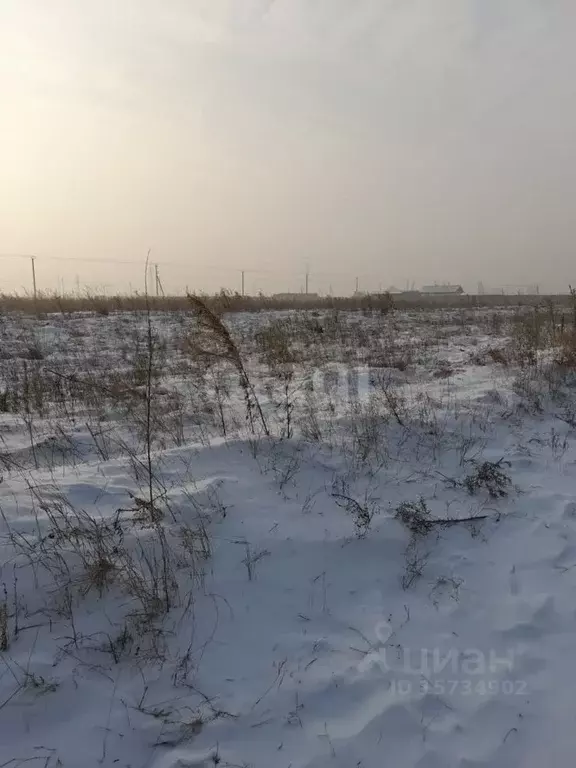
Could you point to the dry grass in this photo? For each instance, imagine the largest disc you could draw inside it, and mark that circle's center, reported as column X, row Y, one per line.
column 214, row 340
column 144, row 382
column 3, row 627
column 229, row 301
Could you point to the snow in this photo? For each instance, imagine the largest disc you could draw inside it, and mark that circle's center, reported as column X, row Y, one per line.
column 305, row 641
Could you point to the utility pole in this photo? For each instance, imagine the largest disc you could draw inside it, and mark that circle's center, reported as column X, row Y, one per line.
column 35, row 292
column 356, row 285
column 242, row 282
column 158, row 282
column 307, row 279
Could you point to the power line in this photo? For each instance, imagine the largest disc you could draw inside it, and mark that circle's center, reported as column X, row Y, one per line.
column 207, row 267
column 263, row 272
column 102, row 260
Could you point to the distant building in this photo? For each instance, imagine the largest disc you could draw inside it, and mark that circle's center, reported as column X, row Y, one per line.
column 442, row 290
column 296, row 297
column 411, row 295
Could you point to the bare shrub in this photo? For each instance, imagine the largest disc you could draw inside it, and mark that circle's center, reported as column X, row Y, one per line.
column 284, row 461
column 361, row 512
column 565, row 355
column 284, row 400
column 3, row 626
column 568, row 415
column 498, row 355
column 252, row 558
column 309, row 420
column 34, row 352
column 131, row 550
column 489, row 476
column 444, row 370
column 528, row 337
column 274, row 342
column 530, row 388
column 366, row 426
column 415, row 515
column 416, row 560
column 392, row 394
column 196, row 542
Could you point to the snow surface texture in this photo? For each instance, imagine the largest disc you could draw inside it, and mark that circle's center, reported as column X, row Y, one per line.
column 303, row 635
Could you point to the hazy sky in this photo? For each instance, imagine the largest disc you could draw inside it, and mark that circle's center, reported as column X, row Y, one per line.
column 394, row 139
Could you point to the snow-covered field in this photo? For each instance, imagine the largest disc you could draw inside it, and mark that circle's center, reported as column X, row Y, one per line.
column 386, row 578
